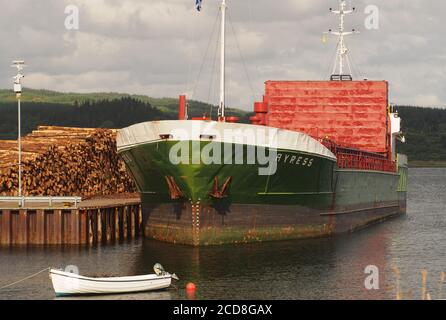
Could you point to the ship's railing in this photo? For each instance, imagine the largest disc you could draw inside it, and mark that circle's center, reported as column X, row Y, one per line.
column 353, row 161
column 50, row 201
column 357, row 159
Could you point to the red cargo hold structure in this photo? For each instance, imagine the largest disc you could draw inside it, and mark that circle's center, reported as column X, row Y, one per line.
column 353, row 114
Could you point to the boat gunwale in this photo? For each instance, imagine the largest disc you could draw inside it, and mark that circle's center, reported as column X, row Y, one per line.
column 125, row 146
column 131, row 146
column 111, row 279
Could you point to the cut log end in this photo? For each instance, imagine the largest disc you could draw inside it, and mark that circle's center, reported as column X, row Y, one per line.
column 62, row 161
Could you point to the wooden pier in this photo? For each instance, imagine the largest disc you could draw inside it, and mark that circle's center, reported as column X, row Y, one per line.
column 101, row 220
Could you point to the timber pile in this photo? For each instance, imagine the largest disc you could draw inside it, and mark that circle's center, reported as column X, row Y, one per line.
column 61, row 161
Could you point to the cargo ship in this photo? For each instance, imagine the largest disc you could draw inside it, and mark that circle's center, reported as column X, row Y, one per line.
column 319, row 158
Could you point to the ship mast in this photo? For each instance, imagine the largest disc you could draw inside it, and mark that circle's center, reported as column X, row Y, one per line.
column 342, row 50
column 221, row 107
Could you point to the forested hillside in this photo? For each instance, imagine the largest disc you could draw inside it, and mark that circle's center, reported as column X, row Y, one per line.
column 95, row 110
column 425, row 131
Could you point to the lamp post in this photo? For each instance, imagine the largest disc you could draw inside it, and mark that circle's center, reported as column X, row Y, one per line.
column 19, row 64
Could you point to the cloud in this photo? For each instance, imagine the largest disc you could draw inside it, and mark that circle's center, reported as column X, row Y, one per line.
column 430, row 100
column 92, row 81
column 157, row 47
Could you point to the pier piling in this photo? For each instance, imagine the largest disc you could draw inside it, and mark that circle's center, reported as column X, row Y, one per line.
column 91, row 222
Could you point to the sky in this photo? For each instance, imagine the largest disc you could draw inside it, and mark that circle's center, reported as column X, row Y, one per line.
column 163, row 48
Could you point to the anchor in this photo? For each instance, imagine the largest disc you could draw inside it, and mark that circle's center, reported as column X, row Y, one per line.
column 220, row 194
column 174, row 190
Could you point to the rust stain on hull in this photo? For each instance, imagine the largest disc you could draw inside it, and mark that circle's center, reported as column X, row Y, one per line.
column 199, row 225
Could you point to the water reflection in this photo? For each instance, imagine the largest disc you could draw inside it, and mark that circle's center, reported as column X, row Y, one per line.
column 331, row 268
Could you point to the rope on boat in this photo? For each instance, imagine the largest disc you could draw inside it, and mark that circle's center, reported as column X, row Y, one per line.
column 26, row 278
column 245, row 68
column 194, row 90
column 174, row 287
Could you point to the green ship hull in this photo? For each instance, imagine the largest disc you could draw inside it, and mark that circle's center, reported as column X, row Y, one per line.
column 213, row 204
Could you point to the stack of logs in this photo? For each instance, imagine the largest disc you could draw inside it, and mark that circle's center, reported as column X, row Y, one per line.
column 61, row 161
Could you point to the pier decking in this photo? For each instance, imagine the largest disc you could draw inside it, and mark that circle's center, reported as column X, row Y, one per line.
column 99, row 220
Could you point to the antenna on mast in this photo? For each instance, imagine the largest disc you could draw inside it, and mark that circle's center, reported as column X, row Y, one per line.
column 342, row 51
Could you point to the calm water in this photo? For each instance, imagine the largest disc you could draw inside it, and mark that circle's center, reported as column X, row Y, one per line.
column 309, row 269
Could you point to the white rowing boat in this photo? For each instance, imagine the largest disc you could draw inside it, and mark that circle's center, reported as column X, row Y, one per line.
column 66, row 283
